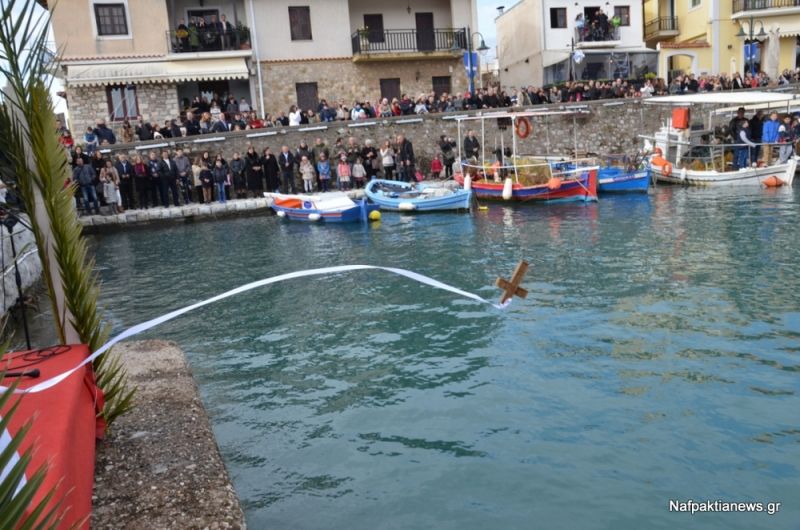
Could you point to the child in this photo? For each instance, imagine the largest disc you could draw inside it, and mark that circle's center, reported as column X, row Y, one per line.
column 359, row 173
column 307, row 173
column 109, row 191
column 436, row 167
column 91, row 141
column 343, row 170
column 324, row 170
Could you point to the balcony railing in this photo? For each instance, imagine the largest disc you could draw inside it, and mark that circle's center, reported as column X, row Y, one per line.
column 408, row 40
column 208, row 39
column 597, row 33
column 757, row 5
column 659, row 25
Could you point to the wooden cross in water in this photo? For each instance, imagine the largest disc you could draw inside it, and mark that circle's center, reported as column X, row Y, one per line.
column 512, row 288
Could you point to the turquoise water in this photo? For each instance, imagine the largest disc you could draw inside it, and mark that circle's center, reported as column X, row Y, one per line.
column 655, row 358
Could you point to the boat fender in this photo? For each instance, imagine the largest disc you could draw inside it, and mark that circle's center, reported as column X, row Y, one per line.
column 374, row 215
column 406, row 207
column 666, row 169
column 554, row 183
column 468, row 183
column 314, row 217
column 281, row 213
column 507, row 189
column 683, row 173
column 772, row 182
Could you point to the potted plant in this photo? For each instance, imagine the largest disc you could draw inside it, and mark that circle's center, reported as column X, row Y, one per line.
column 243, row 33
column 363, row 35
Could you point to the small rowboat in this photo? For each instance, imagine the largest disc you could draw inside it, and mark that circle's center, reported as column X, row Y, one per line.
column 616, row 180
column 330, row 207
column 406, row 197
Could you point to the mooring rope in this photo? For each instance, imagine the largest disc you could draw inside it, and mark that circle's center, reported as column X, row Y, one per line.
column 144, row 326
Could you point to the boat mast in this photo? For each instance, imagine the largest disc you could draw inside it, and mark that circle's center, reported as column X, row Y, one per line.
column 513, row 149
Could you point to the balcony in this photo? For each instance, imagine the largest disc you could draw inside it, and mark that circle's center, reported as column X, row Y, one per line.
column 201, row 40
column 661, row 28
column 404, row 44
column 594, row 36
column 762, row 5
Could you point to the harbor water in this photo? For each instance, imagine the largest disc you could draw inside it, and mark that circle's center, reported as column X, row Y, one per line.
column 656, row 358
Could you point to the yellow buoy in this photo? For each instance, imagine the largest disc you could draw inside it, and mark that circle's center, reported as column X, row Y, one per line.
column 374, row 215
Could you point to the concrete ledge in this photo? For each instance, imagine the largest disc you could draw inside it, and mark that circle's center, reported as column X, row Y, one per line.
column 161, row 467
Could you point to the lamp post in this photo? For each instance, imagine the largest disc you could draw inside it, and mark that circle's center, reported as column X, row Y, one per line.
column 749, row 36
column 482, row 49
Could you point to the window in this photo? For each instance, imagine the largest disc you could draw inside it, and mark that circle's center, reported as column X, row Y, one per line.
column 110, row 19
column 374, row 26
column 694, row 3
column 300, row 22
column 624, row 15
column 122, row 102
column 558, row 17
column 441, row 85
column 307, row 96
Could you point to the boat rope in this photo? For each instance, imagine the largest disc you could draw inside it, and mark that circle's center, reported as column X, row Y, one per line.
column 144, row 326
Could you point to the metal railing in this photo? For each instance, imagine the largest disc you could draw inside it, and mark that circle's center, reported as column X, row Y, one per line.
column 660, row 24
column 597, row 33
column 208, row 39
column 408, row 40
column 756, row 5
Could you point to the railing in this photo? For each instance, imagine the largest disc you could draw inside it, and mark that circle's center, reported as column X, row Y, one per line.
column 597, row 33
column 207, row 39
column 408, row 40
column 756, row 5
column 660, row 24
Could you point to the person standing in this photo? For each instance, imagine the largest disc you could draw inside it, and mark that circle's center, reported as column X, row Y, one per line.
column 109, row 191
column 126, row 175
column 447, row 145
column 472, row 147
column 405, row 154
column 183, row 167
column 84, row 176
column 220, row 176
column 269, row 165
column 756, row 128
column 168, row 179
column 387, row 160
column 286, row 162
column 744, row 151
column 253, row 170
column 142, row 175
column 237, row 173
column 786, row 138
column 369, row 157
column 324, row 171
column 769, row 135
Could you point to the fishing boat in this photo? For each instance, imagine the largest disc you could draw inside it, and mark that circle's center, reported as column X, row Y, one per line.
column 407, row 197
column 692, row 150
column 333, row 207
column 523, row 178
column 616, row 173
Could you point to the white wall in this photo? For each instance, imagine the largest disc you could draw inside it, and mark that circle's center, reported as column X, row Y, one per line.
column 396, row 15
column 519, row 32
column 330, row 30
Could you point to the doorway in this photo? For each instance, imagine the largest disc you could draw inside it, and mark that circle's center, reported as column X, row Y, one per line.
column 390, row 88
column 426, row 38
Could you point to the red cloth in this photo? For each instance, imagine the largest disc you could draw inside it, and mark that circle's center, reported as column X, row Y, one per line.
column 64, row 426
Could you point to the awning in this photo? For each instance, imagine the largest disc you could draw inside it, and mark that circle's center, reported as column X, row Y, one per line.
column 745, row 97
column 157, row 72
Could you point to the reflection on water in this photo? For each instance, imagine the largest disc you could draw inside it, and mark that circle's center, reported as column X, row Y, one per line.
column 656, row 358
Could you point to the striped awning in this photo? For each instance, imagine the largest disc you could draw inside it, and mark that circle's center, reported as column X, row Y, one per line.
column 156, row 72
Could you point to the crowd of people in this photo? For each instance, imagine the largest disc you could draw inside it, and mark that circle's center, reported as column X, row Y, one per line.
column 178, row 178
column 763, row 138
column 224, row 114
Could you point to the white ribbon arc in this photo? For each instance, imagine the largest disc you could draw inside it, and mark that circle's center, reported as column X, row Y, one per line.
column 144, row 326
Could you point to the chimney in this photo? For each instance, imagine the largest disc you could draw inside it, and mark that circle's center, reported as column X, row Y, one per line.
column 500, row 10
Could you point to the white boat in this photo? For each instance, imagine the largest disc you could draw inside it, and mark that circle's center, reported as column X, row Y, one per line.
column 683, row 157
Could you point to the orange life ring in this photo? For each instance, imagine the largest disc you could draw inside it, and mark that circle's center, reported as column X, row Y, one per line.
column 522, row 127
column 665, row 165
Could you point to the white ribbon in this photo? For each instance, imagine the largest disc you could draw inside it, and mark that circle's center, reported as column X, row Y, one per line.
column 144, row 326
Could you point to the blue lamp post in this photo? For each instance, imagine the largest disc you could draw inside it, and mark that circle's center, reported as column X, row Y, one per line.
column 750, row 56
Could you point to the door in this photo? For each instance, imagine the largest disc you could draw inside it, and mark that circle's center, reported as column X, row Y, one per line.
column 426, row 40
column 307, row 97
column 441, row 85
column 390, row 88
column 374, row 26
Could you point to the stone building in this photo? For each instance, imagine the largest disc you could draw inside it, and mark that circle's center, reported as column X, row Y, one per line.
column 125, row 58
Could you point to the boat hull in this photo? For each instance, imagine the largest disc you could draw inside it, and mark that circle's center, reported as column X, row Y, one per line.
column 456, row 200
column 583, row 188
column 614, row 180
column 746, row 177
column 299, row 208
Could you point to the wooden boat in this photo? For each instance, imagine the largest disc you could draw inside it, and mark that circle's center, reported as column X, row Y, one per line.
column 334, row 207
column 620, row 180
column 406, row 197
column 563, row 186
column 683, row 154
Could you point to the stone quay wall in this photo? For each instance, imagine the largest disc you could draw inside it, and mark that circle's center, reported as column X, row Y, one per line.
column 609, row 127
column 30, row 266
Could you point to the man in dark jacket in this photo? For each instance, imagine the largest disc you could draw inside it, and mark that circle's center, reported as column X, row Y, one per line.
column 125, row 170
column 192, row 125
column 143, row 130
column 286, row 163
column 167, row 178
column 756, row 128
column 105, row 136
column 83, row 175
column 472, row 146
column 405, row 156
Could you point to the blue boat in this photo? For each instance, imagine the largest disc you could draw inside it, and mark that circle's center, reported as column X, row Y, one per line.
column 616, row 180
column 406, row 197
column 330, row 207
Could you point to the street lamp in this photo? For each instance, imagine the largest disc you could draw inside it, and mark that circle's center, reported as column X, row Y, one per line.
column 749, row 35
column 482, row 49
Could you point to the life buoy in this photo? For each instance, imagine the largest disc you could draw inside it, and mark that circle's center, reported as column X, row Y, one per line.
column 522, row 126
column 663, row 163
